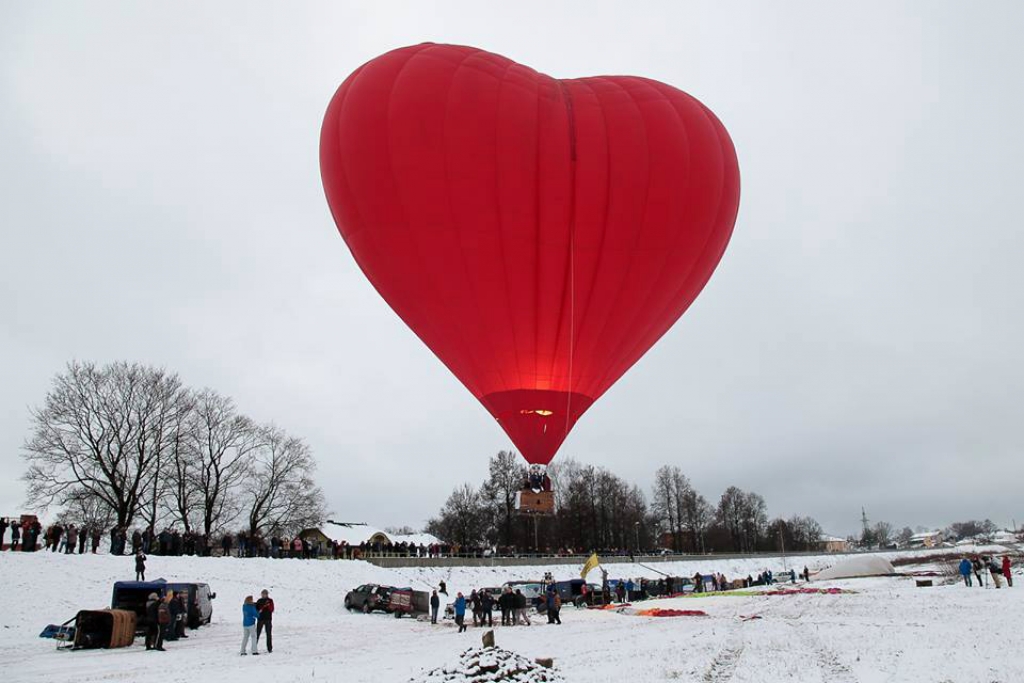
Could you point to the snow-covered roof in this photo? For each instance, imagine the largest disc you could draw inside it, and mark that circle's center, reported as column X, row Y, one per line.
column 926, row 534
column 364, row 533
column 416, row 539
column 831, row 539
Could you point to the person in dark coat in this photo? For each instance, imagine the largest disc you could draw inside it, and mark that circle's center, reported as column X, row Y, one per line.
column 174, row 607
column 182, row 620
column 265, row 620
column 486, row 608
column 154, row 631
column 976, row 565
column 96, row 536
column 140, row 566
column 435, row 604
column 554, row 607
column 506, row 602
column 474, row 605
column 3, row 531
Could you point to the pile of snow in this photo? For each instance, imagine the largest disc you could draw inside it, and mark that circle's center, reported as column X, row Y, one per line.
column 857, row 566
column 487, row 665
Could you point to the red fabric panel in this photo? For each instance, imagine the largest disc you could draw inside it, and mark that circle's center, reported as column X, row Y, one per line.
column 538, row 235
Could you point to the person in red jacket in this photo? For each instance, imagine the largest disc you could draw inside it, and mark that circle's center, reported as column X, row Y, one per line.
column 1006, row 571
column 265, row 620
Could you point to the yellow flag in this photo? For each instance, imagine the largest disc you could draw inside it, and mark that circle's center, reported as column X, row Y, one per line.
column 588, row 565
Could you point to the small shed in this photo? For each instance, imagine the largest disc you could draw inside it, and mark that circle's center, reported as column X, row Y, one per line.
column 106, row 628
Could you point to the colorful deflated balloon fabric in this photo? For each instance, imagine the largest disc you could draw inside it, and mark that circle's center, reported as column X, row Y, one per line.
column 539, row 235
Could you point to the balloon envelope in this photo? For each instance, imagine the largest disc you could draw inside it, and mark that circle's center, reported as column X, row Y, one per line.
column 539, row 235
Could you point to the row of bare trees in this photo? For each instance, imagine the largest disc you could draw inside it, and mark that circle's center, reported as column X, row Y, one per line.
column 127, row 444
column 597, row 509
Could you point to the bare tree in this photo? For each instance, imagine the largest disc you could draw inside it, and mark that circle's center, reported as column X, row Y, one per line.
column 499, row 495
column 883, row 533
column 697, row 515
column 666, row 502
column 221, row 440
column 97, row 434
column 462, row 520
column 279, row 493
column 178, row 492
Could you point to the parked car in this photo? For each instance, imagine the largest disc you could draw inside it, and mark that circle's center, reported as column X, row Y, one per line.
column 389, row 599
column 367, row 598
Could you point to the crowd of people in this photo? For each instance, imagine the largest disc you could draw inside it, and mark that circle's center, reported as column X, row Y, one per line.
column 24, row 533
column 71, row 538
column 980, row 565
column 166, row 619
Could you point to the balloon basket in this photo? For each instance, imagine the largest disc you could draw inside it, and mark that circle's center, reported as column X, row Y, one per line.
column 530, row 502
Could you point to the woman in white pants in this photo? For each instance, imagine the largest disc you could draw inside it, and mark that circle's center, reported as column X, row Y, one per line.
column 249, row 616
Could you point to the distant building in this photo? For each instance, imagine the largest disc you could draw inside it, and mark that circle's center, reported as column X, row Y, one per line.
column 833, row 544
column 356, row 534
column 928, row 539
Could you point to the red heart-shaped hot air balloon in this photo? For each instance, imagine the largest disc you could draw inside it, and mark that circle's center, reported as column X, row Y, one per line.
column 539, row 235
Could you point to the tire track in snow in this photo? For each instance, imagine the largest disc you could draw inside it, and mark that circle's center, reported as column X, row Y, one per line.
column 723, row 666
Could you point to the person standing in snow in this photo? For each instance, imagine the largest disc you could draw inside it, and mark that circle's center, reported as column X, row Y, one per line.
column 140, row 566
column 554, row 604
column 965, row 571
column 154, row 629
column 1006, row 571
column 174, row 607
column 3, row 531
column 996, row 570
column 976, row 565
column 460, row 612
column 265, row 608
column 486, row 608
column 435, row 604
column 249, row 617
column 521, row 616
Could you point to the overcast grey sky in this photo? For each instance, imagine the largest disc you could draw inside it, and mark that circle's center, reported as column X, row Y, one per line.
column 859, row 344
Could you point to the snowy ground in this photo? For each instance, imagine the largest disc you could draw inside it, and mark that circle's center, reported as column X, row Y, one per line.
column 889, row 630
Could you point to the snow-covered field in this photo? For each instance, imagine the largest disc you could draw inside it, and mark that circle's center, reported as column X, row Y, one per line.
column 889, row 630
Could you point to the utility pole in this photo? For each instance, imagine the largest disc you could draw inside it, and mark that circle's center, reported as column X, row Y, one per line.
column 782, row 544
column 864, row 523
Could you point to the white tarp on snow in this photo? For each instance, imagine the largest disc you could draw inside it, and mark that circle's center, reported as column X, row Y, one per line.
column 862, row 565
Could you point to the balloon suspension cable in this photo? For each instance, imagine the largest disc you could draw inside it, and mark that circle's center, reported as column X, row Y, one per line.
column 571, row 116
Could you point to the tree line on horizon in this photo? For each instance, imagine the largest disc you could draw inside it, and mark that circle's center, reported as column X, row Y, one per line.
column 597, row 509
column 125, row 445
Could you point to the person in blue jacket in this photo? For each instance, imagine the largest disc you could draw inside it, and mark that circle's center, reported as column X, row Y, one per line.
column 460, row 612
column 965, row 570
column 249, row 616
